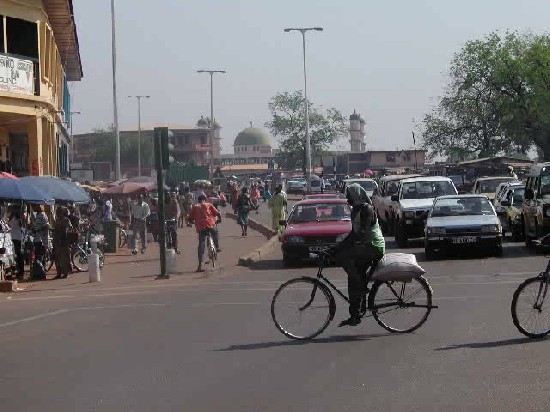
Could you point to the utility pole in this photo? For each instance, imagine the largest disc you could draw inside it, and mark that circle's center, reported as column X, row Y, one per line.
column 115, row 104
column 139, row 128
column 306, row 106
column 212, row 128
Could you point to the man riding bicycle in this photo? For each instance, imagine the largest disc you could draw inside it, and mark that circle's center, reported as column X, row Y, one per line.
column 205, row 216
column 363, row 245
column 172, row 214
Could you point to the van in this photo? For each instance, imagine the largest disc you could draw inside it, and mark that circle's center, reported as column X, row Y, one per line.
column 536, row 203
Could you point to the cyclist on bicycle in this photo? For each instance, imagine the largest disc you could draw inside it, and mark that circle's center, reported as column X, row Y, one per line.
column 205, row 216
column 172, row 214
column 363, row 245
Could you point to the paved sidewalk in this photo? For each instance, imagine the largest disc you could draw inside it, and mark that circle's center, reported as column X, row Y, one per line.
column 123, row 268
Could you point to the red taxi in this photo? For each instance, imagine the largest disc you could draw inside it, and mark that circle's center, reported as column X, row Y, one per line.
column 314, row 224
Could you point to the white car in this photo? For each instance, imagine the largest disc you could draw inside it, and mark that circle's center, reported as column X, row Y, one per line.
column 414, row 200
column 366, row 183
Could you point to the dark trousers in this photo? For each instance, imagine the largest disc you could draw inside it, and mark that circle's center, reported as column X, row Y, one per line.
column 19, row 257
column 202, row 241
column 172, row 229
column 355, row 261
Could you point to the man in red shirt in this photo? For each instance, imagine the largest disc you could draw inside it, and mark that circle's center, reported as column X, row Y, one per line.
column 205, row 216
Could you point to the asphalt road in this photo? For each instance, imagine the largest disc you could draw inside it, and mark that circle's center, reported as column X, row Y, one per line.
column 213, row 346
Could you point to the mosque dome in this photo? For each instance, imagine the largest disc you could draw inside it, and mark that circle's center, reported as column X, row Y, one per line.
column 253, row 136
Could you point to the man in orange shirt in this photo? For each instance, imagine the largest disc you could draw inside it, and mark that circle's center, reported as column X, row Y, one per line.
column 205, row 216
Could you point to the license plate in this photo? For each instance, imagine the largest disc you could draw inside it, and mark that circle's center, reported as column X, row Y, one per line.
column 462, row 240
column 316, row 248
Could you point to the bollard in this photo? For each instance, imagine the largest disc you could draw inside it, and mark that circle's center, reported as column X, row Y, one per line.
column 171, row 261
column 93, row 268
column 93, row 244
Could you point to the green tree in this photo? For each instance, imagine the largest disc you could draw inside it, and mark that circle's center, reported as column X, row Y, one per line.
column 287, row 124
column 105, row 147
column 496, row 99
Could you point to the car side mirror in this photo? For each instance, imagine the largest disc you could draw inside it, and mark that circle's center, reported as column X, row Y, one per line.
column 529, row 194
column 505, row 203
column 394, row 198
column 282, row 223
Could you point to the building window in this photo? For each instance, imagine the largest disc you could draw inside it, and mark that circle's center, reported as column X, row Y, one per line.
column 390, row 158
column 22, row 37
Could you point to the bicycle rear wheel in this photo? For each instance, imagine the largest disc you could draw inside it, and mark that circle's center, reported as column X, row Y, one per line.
column 302, row 308
column 401, row 307
column 530, row 312
column 122, row 239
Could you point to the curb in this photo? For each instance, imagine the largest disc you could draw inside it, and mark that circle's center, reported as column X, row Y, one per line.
column 265, row 249
column 260, row 253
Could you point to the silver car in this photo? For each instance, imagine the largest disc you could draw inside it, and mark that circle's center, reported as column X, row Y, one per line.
column 462, row 221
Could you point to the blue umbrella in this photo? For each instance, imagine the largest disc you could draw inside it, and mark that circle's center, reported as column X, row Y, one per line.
column 17, row 189
column 61, row 190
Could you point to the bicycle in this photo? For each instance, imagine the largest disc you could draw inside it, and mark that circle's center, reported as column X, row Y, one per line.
column 528, row 301
column 82, row 249
column 386, row 300
column 211, row 250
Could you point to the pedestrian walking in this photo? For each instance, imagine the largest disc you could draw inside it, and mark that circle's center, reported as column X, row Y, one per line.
column 61, row 244
column 244, row 206
column 139, row 215
column 255, row 197
column 277, row 204
column 16, row 221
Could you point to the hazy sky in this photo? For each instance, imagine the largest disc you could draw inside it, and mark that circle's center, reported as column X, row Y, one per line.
column 386, row 59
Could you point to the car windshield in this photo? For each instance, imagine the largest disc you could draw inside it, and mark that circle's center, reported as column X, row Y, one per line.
column 427, row 190
column 320, row 212
column 490, row 186
column 368, row 185
column 462, row 206
column 545, row 184
column 517, row 197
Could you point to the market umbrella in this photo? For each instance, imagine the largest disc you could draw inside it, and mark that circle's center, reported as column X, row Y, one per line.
column 130, row 188
column 6, row 175
column 18, row 189
column 61, row 190
column 368, row 172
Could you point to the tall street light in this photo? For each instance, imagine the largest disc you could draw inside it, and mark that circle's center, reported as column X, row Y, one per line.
column 139, row 128
column 71, row 161
column 306, row 108
column 211, row 73
column 115, row 105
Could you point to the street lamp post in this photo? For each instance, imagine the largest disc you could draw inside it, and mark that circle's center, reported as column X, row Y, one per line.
column 306, row 106
column 211, row 73
column 139, row 128
column 115, row 108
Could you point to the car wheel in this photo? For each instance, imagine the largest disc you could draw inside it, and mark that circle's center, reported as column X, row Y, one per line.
column 498, row 251
column 431, row 254
column 400, row 235
column 527, row 238
column 288, row 262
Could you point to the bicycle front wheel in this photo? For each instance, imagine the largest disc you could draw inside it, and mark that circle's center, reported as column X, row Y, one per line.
column 401, row 307
column 302, row 308
column 530, row 311
column 122, row 239
column 80, row 260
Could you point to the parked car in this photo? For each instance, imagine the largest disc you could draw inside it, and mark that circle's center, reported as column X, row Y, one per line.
column 413, row 202
column 509, row 205
column 536, row 204
column 366, row 183
column 313, row 225
column 324, row 196
column 297, row 185
column 488, row 185
column 462, row 221
column 381, row 200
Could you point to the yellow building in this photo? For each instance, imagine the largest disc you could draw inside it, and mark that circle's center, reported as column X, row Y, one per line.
column 39, row 54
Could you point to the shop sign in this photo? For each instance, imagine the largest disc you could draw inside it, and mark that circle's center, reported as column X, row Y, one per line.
column 16, row 75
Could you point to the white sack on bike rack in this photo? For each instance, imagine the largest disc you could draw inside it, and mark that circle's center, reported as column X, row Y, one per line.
column 398, row 266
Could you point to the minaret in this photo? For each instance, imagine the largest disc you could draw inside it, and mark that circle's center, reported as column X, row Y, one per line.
column 357, row 133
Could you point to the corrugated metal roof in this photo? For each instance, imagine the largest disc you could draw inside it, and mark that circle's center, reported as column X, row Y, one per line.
column 61, row 18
